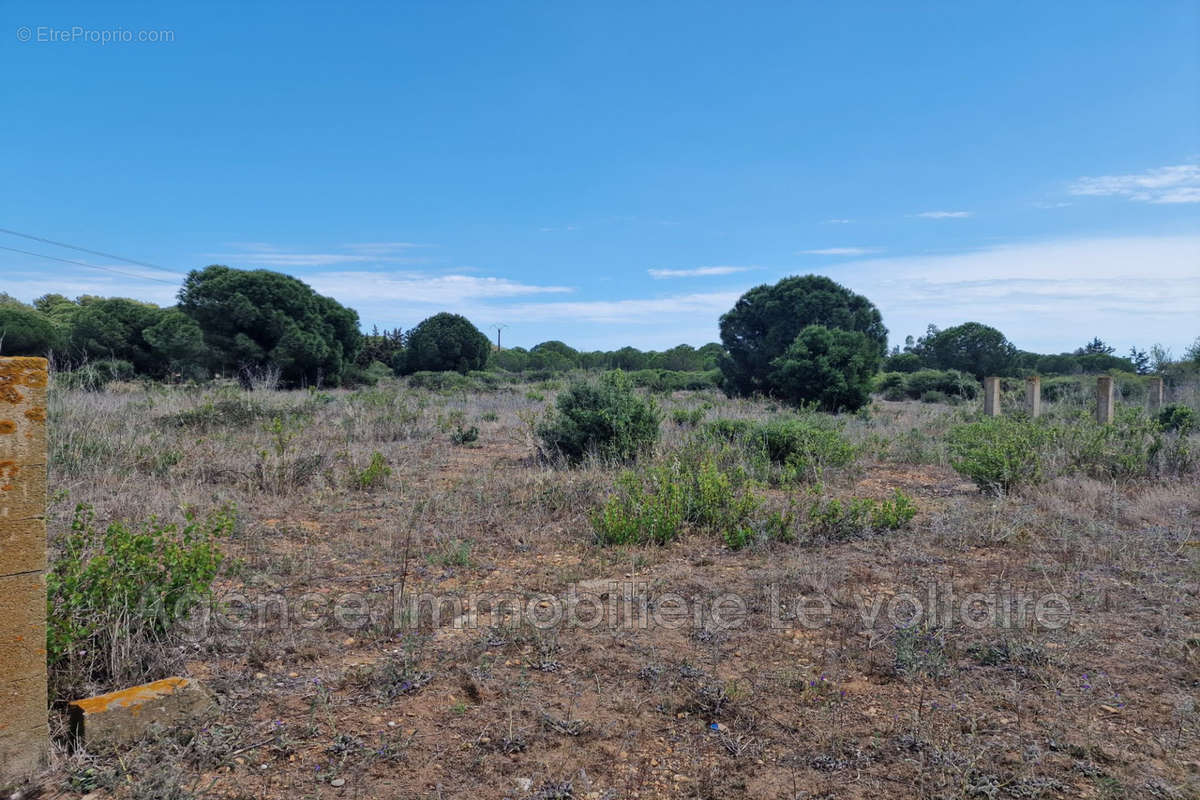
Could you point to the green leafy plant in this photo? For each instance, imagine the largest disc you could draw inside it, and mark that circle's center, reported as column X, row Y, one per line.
column 789, row 449
column 605, row 418
column 373, row 475
column 127, row 582
column 1178, row 417
column 463, row 435
column 1000, row 453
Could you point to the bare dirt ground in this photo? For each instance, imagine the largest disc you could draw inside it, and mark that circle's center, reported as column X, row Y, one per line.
column 783, row 670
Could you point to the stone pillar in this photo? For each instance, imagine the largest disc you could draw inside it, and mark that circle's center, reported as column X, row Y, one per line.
column 24, row 734
column 991, row 397
column 1155, row 390
column 1033, row 396
column 1104, row 399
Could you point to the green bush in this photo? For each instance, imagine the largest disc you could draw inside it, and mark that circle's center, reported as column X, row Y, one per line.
column 999, row 453
column 687, row 417
column 1178, row 417
column 648, row 508
column 441, row 381
column 788, row 449
column 110, row 588
column 373, row 475
column 830, row 367
column 933, row 396
column 837, row 519
column 889, row 380
column 463, row 435
column 1125, row 449
column 950, row 382
column 652, row 506
column 605, row 418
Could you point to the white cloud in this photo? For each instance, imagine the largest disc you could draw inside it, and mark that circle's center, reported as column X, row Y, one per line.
column 695, row 272
column 945, row 214
column 1174, row 184
column 841, row 251
column 261, row 254
column 837, row 222
column 413, row 287
column 1046, row 296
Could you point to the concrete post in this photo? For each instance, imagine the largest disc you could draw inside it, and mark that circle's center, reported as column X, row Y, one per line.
column 1156, row 393
column 1033, row 396
column 1104, row 399
column 24, row 734
column 991, row 397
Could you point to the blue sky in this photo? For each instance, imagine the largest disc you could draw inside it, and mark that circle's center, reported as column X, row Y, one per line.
column 618, row 173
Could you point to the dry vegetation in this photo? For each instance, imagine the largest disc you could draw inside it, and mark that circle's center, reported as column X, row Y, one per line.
column 1103, row 706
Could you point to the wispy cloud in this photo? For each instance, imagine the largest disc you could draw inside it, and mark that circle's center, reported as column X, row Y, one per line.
column 695, row 272
column 1046, row 296
column 841, row 251
column 414, row 287
column 1174, row 184
column 837, row 221
column 945, row 214
column 261, row 254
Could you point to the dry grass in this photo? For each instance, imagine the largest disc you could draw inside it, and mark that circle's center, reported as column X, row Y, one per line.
column 1104, row 706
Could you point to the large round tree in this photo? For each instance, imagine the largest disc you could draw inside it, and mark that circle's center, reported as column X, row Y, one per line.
column 766, row 320
column 446, row 342
column 257, row 318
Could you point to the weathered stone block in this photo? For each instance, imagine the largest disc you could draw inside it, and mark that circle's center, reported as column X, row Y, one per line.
column 1105, row 400
column 23, row 728
column 114, row 719
column 991, row 397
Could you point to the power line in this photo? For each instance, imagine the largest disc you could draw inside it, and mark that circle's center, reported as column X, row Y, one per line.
column 89, row 266
column 92, row 252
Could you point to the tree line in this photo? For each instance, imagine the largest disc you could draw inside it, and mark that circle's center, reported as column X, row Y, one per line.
column 805, row 339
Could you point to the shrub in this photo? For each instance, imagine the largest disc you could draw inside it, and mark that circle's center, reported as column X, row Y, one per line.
column 687, row 417
column 889, row 380
column 1125, row 449
column 1178, row 417
column 827, row 366
column 933, row 396
column 787, row 449
column 109, row 590
column 652, row 506
column 373, row 475
column 605, row 418
column 650, row 509
column 998, row 453
column 839, row 519
column 950, row 382
column 441, row 381
column 463, row 435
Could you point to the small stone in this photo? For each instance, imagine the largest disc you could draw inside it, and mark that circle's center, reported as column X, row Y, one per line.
column 349, row 642
column 524, row 784
column 293, row 674
column 337, row 782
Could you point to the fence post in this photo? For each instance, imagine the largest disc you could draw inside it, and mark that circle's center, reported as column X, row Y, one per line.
column 1033, row 396
column 991, row 397
column 1156, row 393
column 1104, row 399
column 24, row 734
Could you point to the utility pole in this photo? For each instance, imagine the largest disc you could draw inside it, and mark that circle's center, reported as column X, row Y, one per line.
column 499, row 327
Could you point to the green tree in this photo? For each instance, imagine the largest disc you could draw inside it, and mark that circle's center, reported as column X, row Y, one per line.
column 553, row 355
column 830, row 367
column 24, row 331
column 766, row 320
column 112, row 328
column 1096, row 346
column 973, row 348
column 176, row 346
column 446, row 342
column 256, row 318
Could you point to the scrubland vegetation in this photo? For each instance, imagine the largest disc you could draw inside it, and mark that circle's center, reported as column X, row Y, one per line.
column 211, row 531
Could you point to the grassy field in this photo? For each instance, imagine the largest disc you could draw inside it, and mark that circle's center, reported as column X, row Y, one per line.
column 1054, row 653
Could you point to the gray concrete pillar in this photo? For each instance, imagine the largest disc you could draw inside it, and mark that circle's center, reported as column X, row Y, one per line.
column 1155, row 390
column 1104, row 399
column 1033, row 396
column 24, row 734
column 991, row 397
